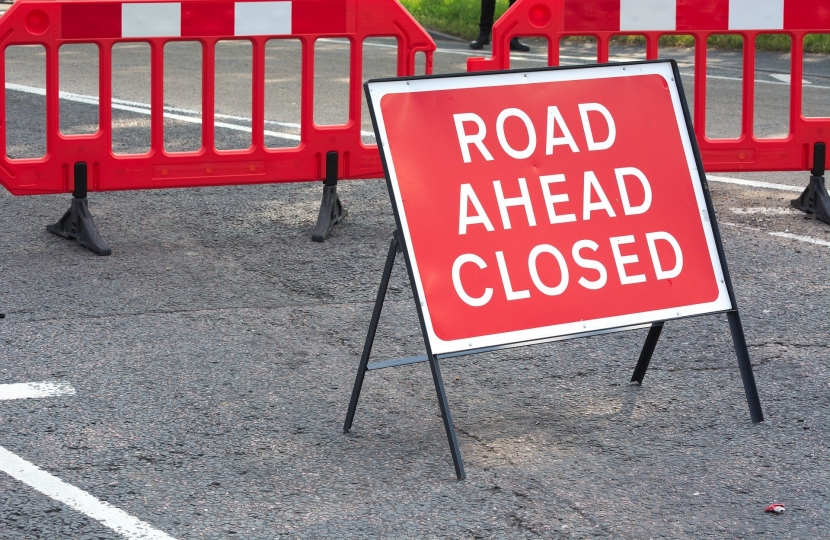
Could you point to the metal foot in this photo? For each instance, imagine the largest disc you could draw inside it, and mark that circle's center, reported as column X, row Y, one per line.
column 370, row 335
column 815, row 199
column 77, row 223
column 331, row 209
column 648, row 350
column 748, row 378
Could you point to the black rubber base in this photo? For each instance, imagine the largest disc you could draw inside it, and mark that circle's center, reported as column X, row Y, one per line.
column 77, row 224
column 331, row 213
column 815, row 199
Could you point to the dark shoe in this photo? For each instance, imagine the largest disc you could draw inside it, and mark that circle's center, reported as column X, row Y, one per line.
column 482, row 40
column 516, row 45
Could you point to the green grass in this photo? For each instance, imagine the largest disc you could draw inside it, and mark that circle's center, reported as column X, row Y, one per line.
column 456, row 17
column 460, row 18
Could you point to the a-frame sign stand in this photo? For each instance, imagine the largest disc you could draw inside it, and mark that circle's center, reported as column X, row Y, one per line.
column 643, row 361
column 417, row 184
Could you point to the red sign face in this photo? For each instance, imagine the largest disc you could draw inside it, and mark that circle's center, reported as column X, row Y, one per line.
column 548, row 203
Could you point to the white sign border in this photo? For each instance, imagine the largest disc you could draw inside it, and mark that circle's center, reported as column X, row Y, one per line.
column 378, row 89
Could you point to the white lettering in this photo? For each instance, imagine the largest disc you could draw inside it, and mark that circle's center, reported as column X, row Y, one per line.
column 524, row 200
column 588, row 206
column 590, row 264
column 621, row 260
column 584, row 109
column 678, row 255
column 554, row 117
column 456, row 280
column 465, row 139
column 627, row 208
column 534, row 272
column 531, row 133
column 551, row 198
column 468, row 195
column 505, row 280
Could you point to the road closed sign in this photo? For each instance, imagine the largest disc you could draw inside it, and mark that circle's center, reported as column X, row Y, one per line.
column 548, row 203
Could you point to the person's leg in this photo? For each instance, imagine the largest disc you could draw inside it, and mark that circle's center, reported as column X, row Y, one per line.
column 485, row 24
column 515, row 44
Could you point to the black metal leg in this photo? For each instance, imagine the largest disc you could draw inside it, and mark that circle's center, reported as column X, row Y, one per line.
column 370, row 335
column 648, row 350
column 445, row 414
column 331, row 209
column 744, row 364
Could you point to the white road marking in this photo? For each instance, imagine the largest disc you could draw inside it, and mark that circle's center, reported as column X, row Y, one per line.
column 174, row 113
column 764, row 210
column 753, row 183
column 77, row 499
column 808, row 239
column 730, row 224
column 35, row 390
column 785, row 77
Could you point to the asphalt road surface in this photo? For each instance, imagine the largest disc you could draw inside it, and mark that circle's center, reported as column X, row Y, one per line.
column 200, row 375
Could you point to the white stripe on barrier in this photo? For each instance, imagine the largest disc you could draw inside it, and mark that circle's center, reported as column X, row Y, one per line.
column 756, row 14
column 151, row 20
column 262, row 18
column 35, row 390
column 648, row 15
column 78, row 499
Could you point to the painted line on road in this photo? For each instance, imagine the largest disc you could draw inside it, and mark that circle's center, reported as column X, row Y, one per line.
column 35, row 390
column 790, row 236
column 173, row 113
column 144, row 108
column 78, row 499
column 754, row 183
column 808, row 239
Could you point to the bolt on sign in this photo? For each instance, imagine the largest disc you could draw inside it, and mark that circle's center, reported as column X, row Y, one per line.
column 546, row 204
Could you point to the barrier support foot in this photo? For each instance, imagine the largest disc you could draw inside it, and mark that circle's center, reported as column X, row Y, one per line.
column 331, row 209
column 77, row 223
column 815, row 199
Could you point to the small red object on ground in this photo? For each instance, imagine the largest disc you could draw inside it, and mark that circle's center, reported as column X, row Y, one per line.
column 775, row 507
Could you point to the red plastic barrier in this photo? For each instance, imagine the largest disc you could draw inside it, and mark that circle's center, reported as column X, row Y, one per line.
column 105, row 23
column 603, row 19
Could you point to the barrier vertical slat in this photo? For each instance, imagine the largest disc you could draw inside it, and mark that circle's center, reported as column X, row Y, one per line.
column 5, row 125
column 52, row 97
column 748, row 101
column 652, row 47
column 796, row 75
column 603, row 44
column 258, row 93
column 553, row 53
column 307, row 127
column 157, row 97
column 105, row 92
column 208, row 94
column 356, row 90
column 700, row 83
column 403, row 58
